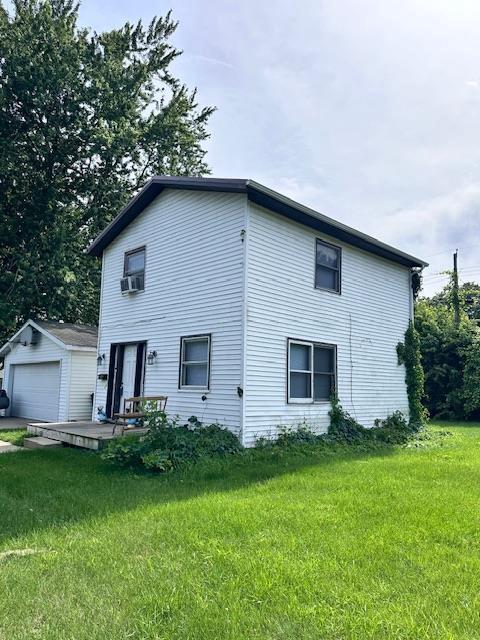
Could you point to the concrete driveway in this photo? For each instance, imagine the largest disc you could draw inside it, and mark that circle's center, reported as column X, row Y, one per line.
column 14, row 423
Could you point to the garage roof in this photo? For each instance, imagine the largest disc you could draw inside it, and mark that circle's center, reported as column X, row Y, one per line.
column 71, row 336
column 262, row 196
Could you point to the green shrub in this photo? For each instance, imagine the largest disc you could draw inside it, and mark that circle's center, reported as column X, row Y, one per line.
column 395, row 429
column 343, row 427
column 409, row 354
column 158, row 460
column 125, row 451
column 301, row 434
column 215, row 440
column 168, row 445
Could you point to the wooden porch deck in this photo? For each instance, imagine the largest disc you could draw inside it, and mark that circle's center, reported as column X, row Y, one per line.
column 88, row 435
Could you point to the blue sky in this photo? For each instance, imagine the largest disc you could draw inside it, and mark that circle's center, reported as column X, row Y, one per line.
column 368, row 111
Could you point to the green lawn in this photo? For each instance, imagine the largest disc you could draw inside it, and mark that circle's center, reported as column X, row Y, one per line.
column 348, row 545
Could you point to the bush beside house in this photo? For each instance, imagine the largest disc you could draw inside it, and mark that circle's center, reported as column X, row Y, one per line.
column 169, row 445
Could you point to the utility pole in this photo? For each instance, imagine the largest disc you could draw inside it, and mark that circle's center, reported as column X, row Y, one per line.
column 455, row 291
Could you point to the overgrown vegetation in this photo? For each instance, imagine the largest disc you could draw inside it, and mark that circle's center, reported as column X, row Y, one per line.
column 450, row 355
column 169, row 444
column 392, row 430
column 409, row 354
column 344, row 430
column 14, row 436
column 468, row 298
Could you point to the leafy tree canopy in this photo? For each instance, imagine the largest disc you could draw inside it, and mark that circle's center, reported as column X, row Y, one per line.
column 469, row 293
column 85, row 120
column 450, row 354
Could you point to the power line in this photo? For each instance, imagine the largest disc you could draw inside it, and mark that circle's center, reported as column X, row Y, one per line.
column 470, row 269
column 469, row 246
column 436, row 275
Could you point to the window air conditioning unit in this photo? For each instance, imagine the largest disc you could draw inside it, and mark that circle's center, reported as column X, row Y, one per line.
column 131, row 284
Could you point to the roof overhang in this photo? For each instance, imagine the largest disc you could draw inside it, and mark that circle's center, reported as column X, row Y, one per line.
column 263, row 197
column 7, row 347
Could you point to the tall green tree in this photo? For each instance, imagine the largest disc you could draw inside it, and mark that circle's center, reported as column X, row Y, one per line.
column 85, row 120
column 450, row 353
column 469, row 294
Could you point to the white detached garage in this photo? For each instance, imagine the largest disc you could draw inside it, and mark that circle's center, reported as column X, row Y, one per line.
column 50, row 370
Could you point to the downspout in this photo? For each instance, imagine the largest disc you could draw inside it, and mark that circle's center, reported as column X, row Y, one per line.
column 411, row 296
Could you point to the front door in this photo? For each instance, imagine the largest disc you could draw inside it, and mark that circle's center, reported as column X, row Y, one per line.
column 127, row 385
column 125, row 377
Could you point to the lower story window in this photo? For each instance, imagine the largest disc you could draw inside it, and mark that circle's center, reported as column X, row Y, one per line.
column 195, row 362
column 311, row 371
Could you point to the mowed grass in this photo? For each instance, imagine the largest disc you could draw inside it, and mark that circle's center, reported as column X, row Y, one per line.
column 381, row 544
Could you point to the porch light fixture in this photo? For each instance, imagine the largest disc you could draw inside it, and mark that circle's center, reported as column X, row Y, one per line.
column 152, row 355
column 100, row 359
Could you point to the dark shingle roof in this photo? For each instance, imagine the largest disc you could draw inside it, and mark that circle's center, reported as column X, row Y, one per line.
column 75, row 335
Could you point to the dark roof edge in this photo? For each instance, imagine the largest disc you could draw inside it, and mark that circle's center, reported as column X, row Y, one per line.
column 149, row 192
column 269, row 199
column 264, row 197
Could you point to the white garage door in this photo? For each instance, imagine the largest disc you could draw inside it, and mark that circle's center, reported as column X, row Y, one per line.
column 35, row 392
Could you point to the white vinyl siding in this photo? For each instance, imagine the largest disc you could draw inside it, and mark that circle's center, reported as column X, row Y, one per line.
column 82, row 384
column 365, row 323
column 193, row 286
column 218, row 265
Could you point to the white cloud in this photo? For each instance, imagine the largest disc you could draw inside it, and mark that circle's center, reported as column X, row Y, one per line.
column 435, row 228
column 367, row 111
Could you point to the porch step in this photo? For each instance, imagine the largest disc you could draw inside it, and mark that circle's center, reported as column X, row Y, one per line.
column 39, row 442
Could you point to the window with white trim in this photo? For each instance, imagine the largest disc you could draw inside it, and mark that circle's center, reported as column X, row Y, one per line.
column 311, row 371
column 328, row 262
column 134, row 265
column 195, row 362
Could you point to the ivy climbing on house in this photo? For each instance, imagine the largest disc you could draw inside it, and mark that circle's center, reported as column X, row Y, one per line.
column 409, row 354
column 416, row 282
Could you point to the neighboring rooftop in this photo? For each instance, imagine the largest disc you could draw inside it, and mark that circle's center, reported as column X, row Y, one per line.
column 262, row 196
column 74, row 335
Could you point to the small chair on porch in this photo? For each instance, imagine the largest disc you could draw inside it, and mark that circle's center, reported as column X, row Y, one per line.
column 134, row 409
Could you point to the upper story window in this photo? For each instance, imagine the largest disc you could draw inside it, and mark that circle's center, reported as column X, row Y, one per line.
column 311, row 371
column 134, row 266
column 328, row 264
column 195, row 362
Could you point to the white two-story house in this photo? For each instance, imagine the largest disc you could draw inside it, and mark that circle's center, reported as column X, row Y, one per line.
column 247, row 308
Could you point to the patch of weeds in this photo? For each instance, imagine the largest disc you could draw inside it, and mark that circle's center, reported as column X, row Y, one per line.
column 344, row 432
column 429, row 439
column 14, row 436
